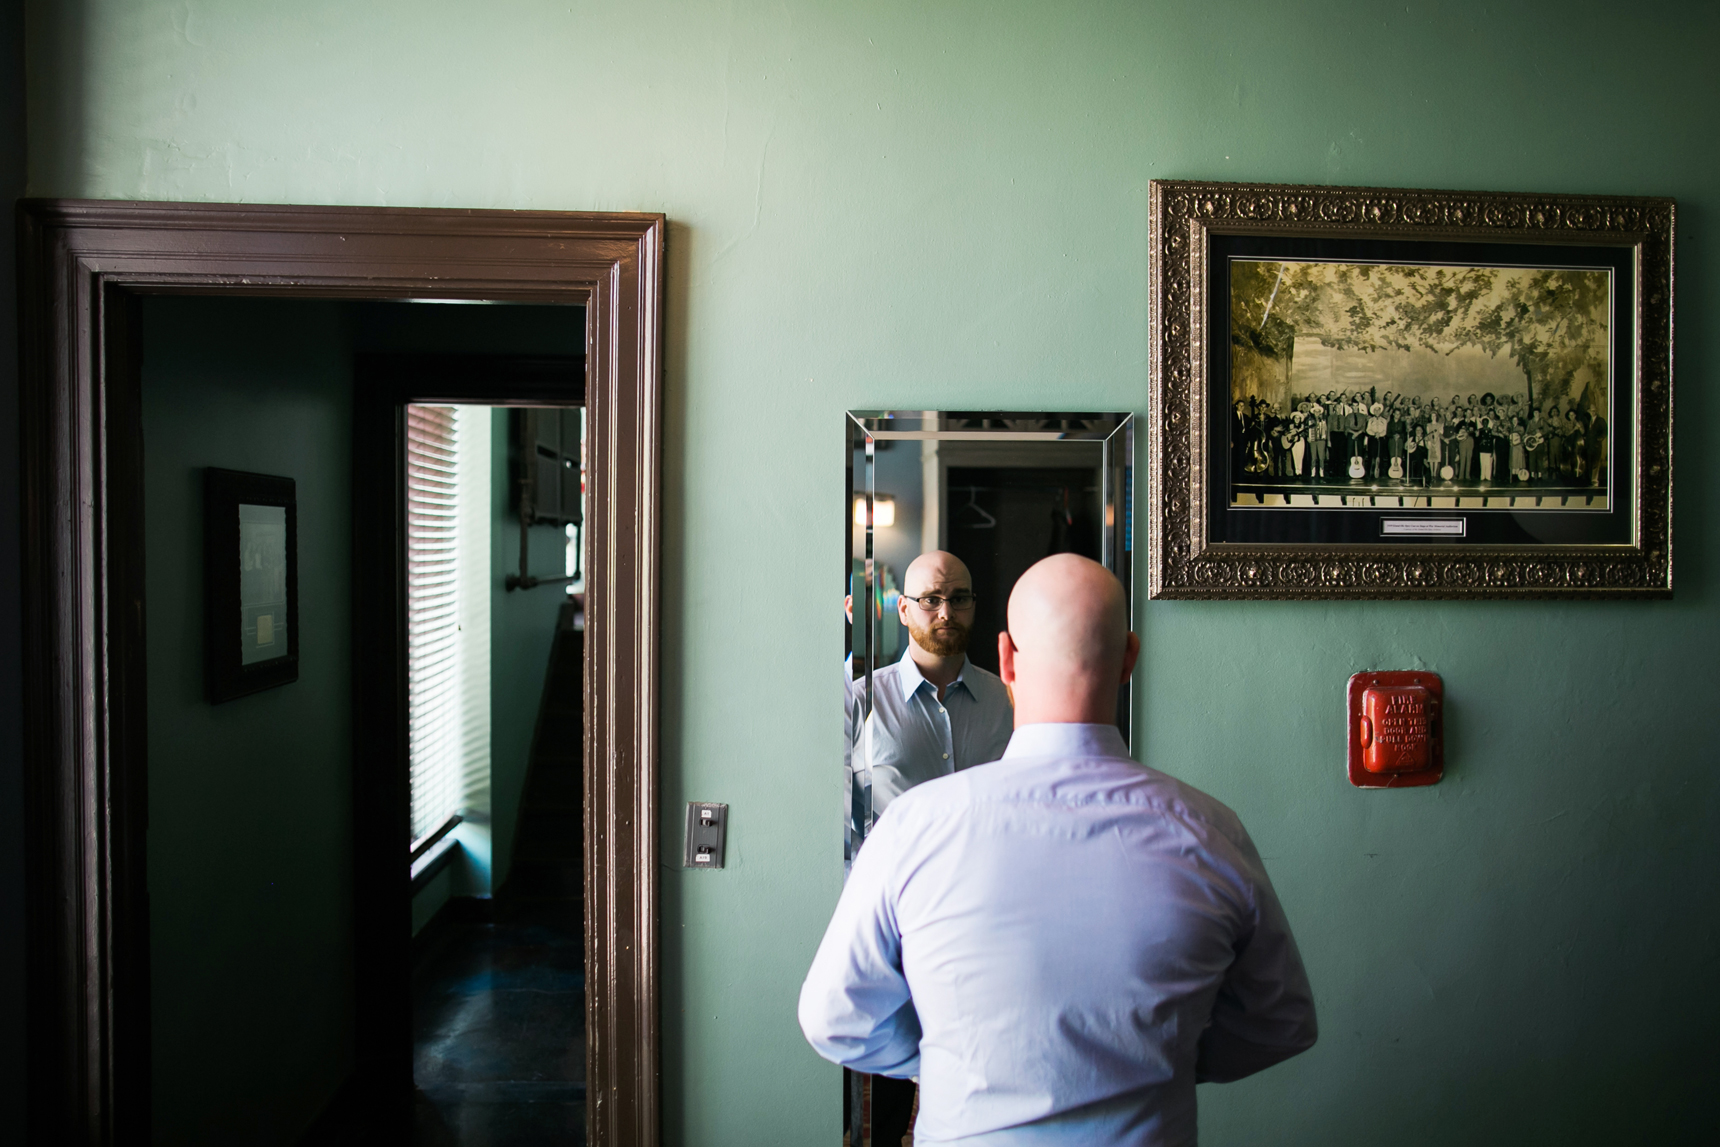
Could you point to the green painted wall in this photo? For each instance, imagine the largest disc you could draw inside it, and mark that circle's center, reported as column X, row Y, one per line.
column 249, row 801
column 945, row 204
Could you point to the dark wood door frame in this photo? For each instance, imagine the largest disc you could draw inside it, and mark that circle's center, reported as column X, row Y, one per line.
column 83, row 266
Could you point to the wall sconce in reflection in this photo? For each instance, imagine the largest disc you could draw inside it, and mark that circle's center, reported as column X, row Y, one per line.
column 884, row 511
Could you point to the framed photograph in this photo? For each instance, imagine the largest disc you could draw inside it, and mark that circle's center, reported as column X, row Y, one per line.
column 1361, row 392
column 250, row 583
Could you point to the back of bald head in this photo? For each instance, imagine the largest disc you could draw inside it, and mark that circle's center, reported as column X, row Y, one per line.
column 1068, row 616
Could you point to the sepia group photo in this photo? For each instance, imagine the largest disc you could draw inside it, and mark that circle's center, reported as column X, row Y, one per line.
column 1371, row 385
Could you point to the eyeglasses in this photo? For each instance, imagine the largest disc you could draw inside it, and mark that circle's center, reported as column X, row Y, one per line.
column 932, row 602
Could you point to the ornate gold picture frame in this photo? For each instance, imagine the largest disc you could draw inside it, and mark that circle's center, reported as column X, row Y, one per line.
column 1375, row 393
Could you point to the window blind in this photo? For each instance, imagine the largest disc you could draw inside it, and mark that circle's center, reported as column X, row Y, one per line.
column 432, row 616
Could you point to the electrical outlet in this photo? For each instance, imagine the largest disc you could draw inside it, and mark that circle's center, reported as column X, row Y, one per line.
column 707, row 833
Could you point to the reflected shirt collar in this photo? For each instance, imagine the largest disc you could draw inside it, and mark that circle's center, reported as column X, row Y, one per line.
column 1048, row 739
column 912, row 679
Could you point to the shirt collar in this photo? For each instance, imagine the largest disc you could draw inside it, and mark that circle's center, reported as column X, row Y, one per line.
column 1066, row 740
column 912, row 679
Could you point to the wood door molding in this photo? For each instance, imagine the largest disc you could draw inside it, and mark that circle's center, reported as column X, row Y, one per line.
column 82, row 266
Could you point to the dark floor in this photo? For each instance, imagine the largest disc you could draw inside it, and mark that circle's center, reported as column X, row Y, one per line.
column 499, row 1032
column 498, row 1004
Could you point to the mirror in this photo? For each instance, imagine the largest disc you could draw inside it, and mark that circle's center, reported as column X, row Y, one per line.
column 945, row 510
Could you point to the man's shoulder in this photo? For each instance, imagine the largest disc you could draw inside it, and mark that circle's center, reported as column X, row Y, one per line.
column 1159, row 789
column 885, row 675
column 1048, row 781
column 984, row 684
column 1092, row 800
column 893, row 669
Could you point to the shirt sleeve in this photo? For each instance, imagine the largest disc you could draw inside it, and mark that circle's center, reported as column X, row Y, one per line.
column 1264, row 1013
column 855, row 1008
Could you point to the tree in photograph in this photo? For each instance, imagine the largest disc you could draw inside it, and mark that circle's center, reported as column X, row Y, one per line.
column 1262, row 344
column 1406, row 308
column 1353, row 306
column 1553, row 322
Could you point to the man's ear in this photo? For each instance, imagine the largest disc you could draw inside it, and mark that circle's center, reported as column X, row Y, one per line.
column 1131, row 653
column 1006, row 658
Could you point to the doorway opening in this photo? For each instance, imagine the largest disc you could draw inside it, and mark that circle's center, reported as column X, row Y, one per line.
column 86, row 270
column 495, row 705
column 479, row 587
column 258, row 832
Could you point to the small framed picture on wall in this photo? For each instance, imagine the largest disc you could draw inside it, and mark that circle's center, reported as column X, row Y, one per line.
column 250, row 583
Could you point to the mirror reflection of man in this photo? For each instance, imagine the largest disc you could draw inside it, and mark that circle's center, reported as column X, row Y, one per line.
column 934, row 711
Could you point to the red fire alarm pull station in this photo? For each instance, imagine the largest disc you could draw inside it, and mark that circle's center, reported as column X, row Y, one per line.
column 1396, row 733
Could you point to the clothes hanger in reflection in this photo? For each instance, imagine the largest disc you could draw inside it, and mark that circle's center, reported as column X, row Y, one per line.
column 973, row 504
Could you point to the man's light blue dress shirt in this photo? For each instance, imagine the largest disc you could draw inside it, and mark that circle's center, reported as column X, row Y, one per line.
column 910, row 737
column 1059, row 945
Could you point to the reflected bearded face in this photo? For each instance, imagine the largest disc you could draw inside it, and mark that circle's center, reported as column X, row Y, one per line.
column 942, row 635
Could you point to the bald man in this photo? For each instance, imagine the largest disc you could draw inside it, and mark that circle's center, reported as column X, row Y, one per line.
column 1059, row 945
column 934, row 712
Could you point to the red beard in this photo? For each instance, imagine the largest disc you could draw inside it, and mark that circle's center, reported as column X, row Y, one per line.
column 946, row 639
